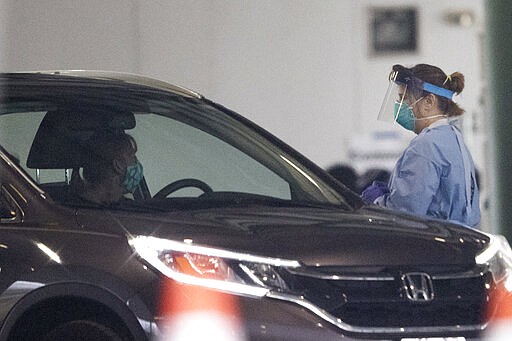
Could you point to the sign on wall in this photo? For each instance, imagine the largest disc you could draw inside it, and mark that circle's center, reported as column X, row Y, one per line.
column 393, row 30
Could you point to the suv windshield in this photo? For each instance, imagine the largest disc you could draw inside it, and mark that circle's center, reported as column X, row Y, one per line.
column 189, row 148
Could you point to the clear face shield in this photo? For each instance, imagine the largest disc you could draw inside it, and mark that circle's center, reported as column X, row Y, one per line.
column 403, row 91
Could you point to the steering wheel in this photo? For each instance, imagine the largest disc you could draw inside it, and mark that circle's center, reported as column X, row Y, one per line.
column 183, row 183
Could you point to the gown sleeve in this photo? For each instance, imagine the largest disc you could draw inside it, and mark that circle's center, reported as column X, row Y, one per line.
column 415, row 180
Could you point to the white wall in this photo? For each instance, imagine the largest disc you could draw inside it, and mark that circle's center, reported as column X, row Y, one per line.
column 76, row 34
column 300, row 68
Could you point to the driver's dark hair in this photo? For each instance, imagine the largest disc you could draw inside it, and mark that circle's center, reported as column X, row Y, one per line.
column 434, row 75
column 104, row 147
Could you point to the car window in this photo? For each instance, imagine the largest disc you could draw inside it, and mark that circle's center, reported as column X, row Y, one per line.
column 171, row 150
column 178, row 140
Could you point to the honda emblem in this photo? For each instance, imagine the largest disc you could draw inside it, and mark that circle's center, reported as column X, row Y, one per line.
column 418, row 287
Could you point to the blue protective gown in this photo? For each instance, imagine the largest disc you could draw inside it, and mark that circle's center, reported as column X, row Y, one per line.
column 430, row 178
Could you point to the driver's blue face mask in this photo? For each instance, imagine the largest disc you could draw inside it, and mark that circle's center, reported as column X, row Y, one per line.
column 133, row 176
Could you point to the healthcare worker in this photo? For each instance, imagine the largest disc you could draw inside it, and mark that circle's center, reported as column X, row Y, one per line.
column 435, row 175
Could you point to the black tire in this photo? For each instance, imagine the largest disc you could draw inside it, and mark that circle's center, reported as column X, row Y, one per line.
column 82, row 330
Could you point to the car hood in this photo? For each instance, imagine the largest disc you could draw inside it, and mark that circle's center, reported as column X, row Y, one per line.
column 312, row 236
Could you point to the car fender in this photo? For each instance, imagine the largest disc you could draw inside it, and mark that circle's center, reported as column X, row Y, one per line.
column 73, row 289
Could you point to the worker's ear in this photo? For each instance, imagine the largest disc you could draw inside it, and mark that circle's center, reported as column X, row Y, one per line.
column 430, row 102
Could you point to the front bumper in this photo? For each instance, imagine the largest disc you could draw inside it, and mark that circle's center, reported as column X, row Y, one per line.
column 270, row 319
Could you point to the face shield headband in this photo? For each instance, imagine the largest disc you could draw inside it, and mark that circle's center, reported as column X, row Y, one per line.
column 404, row 89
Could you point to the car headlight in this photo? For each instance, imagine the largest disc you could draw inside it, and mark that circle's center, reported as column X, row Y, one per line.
column 497, row 256
column 213, row 268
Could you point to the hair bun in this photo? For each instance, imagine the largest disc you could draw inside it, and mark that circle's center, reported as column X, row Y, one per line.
column 455, row 82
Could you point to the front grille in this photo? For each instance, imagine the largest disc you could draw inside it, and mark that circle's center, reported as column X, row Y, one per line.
column 407, row 315
column 381, row 301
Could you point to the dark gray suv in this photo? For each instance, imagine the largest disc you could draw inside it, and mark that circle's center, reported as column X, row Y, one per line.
column 302, row 254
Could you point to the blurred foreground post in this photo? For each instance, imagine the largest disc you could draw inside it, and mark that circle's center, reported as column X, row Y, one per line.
column 499, row 311
column 499, row 27
column 195, row 313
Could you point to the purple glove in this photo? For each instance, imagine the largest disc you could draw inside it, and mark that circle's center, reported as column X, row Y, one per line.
column 375, row 190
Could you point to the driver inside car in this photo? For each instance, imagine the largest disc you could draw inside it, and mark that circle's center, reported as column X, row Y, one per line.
column 111, row 170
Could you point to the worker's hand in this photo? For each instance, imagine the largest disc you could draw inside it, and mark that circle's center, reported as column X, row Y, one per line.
column 374, row 191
